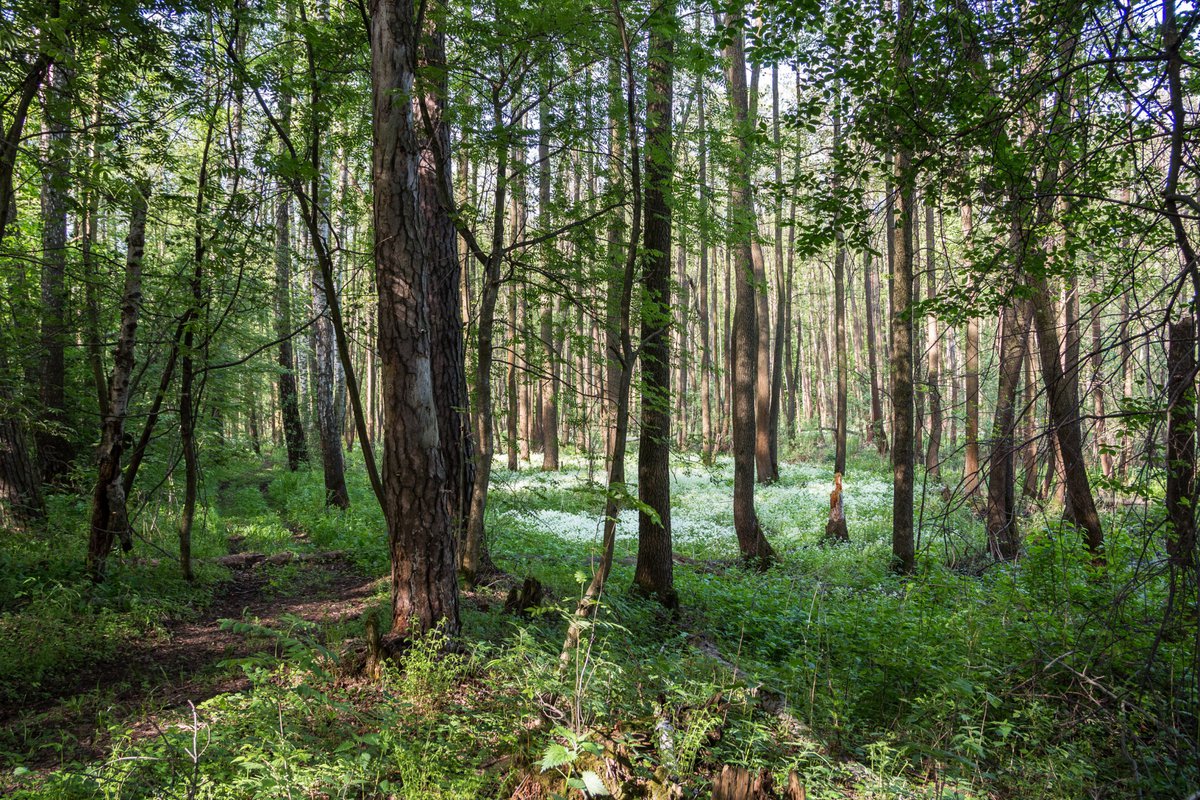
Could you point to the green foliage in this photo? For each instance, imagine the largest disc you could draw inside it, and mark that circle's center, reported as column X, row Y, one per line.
column 999, row 683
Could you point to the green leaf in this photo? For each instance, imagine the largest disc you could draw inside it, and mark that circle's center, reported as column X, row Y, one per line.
column 555, row 756
column 594, row 785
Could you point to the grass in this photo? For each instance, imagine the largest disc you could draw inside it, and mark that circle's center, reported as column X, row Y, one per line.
column 1030, row 680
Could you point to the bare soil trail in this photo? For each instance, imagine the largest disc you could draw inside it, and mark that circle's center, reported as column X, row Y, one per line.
column 154, row 679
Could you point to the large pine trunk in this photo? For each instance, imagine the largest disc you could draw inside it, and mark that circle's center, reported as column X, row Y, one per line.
column 420, row 537
column 448, row 348
column 110, row 518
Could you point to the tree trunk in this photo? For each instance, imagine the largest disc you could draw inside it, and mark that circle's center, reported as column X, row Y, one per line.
column 1003, row 538
column 110, row 518
column 420, row 537
column 653, row 574
column 329, row 415
column 293, row 427
column 782, row 289
column 1181, row 444
column 447, row 345
column 54, row 449
column 549, row 392
column 875, row 431
column 1063, row 401
column 747, row 439
column 839, row 304
column 903, row 552
column 707, row 432
column 934, row 363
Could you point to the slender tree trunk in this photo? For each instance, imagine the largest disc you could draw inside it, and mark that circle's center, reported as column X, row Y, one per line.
column 475, row 559
column 839, row 304
column 1181, row 444
column 903, row 551
column 420, row 536
column 707, row 428
column 653, row 574
column 748, row 440
column 513, row 427
column 971, row 368
column 110, row 518
column 54, row 449
column 1064, row 414
column 875, row 432
column 549, row 392
column 293, row 427
column 624, row 358
column 1003, row 538
column 934, row 358
column 782, row 289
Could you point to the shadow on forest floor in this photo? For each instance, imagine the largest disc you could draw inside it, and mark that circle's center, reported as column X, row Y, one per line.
column 191, row 660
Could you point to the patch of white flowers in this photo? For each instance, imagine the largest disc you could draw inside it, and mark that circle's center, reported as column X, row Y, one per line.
column 794, row 509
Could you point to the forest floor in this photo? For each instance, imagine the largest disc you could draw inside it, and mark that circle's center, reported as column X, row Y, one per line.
column 191, row 657
column 959, row 682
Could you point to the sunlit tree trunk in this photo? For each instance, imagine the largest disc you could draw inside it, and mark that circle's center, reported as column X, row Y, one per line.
column 420, row 536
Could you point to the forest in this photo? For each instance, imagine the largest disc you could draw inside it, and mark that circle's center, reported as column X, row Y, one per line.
column 542, row 399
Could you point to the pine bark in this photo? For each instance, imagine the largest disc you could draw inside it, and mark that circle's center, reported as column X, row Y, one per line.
column 420, row 536
column 447, row 343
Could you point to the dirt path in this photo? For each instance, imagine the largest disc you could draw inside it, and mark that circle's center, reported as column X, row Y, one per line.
column 154, row 680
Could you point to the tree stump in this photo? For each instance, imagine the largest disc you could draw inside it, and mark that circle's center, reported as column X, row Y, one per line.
column 835, row 528
column 528, row 597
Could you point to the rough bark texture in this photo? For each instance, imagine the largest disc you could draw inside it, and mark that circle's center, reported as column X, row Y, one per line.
column 653, row 574
column 744, row 361
column 1181, row 444
column 110, row 518
column 448, row 348
column 420, row 538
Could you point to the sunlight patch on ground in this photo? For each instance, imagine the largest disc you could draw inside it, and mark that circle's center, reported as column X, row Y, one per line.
column 794, row 509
